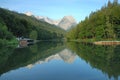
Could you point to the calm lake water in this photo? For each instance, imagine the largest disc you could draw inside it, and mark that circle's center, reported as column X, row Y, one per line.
column 60, row 61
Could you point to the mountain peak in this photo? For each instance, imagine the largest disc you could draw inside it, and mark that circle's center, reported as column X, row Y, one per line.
column 67, row 22
column 28, row 13
column 70, row 18
column 43, row 18
column 48, row 20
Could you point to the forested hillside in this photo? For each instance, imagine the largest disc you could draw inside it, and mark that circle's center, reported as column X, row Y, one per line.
column 13, row 24
column 103, row 24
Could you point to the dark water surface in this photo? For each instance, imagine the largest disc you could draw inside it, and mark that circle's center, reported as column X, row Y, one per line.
column 60, row 61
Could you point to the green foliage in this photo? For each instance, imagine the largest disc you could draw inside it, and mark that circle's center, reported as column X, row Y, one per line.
column 103, row 24
column 33, row 35
column 22, row 25
column 103, row 58
column 12, row 58
column 3, row 42
column 4, row 33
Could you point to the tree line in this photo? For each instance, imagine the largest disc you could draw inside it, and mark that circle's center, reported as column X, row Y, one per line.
column 103, row 24
column 103, row 58
column 14, row 24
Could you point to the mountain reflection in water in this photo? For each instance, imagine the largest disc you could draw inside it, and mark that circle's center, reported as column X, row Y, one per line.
column 60, row 61
column 65, row 55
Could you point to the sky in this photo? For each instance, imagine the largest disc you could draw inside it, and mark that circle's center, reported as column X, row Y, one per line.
column 55, row 9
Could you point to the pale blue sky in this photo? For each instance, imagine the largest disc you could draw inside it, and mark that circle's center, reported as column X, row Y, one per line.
column 55, row 9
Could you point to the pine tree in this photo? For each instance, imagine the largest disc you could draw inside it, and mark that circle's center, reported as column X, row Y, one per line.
column 109, row 3
column 115, row 2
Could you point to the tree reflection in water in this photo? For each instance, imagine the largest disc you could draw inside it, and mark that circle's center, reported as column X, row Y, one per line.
column 13, row 58
column 104, row 58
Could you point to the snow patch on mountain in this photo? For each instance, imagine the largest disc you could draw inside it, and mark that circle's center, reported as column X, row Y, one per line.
column 65, row 23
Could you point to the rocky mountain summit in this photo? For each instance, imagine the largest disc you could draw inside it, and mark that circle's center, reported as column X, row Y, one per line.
column 65, row 23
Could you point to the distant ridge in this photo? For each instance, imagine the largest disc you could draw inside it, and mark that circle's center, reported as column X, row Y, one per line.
column 20, row 25
column 65, row 23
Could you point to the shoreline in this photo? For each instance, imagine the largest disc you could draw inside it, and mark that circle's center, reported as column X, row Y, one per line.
column 104, row 42
column 107, row 42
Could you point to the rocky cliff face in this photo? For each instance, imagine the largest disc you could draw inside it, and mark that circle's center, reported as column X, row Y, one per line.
column 65, row 55
column 48, row 20
column 67, row 22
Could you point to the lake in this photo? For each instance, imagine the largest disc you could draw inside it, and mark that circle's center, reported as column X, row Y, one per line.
column 60, row 61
